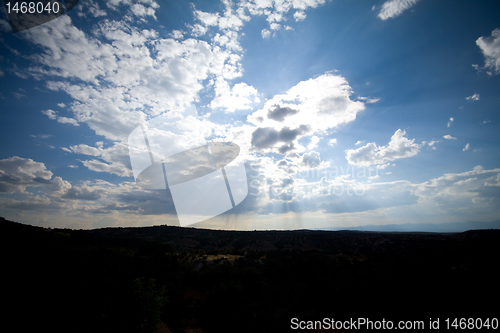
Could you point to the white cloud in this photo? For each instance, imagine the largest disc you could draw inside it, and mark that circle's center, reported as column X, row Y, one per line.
column 394, row 8
column 240, row 97
column 114, row 159
column 449, row 137
column 450, row 122
column 471, row 191
column 129, row 75
column 17, row 174
column 265, row 33
column 294, row 163
column 197, row 30
column 314, row 142
column 127, row 90
column 332, row 142
column 312, row 107
column 474, row 97
column 142, row 11
column 299, row 16
column 371, row 154
column 490, row 46
column 467, row 146
column 208, row 19
column 276, row 11
column 275, row 26
column 112, row 168
column 231, row 20
column 368, row 100
column 432, row 143
column 140, row 8
column 177, row 34
column 92, row 8
column 63, row 120
column 358, row 143
column 66, row 120
column 85, row 150
column 50, row 113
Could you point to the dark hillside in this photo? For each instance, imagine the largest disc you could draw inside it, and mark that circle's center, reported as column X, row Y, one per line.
column 173, row 279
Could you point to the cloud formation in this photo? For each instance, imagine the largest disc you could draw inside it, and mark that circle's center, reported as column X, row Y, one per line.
column 399, row 147
column 474, row 97
column 450, row 122
column 394, row 8
column 490, row 46
column 310, row 107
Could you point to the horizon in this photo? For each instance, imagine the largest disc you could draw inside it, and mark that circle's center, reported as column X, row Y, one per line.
column 437, row 228
column 367, row 115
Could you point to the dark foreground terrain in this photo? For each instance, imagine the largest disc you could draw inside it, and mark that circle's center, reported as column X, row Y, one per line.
column 172, row 279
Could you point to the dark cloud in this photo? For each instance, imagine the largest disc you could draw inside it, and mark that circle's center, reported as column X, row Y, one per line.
column 83, row 193
column 151, row 202
column 287, row 166
column 311, row 160
column 267, row 137
column 279, row 114
column 286, row 148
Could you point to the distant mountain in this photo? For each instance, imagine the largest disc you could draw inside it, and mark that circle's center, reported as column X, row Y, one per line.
column 425, row 227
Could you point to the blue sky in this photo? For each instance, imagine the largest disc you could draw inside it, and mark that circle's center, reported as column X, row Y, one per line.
column 346, row 113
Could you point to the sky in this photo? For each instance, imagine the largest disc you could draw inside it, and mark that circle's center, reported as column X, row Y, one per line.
column 346, row 113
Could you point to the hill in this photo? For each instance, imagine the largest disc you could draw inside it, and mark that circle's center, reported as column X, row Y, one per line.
column 172, row 279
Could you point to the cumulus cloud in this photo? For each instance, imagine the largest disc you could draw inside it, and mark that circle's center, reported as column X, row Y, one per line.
column 470, row 190
column 142, row 11
column 279, row 114
column 17, row 173
column 240, row 97
column 112, row 168
column 116, row 96
column 467, row 146
column 113, row 96
column 268, row 137
column 394, row 8
column 114, row 159
column 299, row 16
column 50, row 113
column 63, row 120
column 277, row 11
column 92, row 8
column 332, row 142
column 490, row 46
column 41, row 193
column 317, row 104
column 140, row 8
column 399, row 147
column 449, row 137
column 313, row 143
column 86, row 150
column 294, row 163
